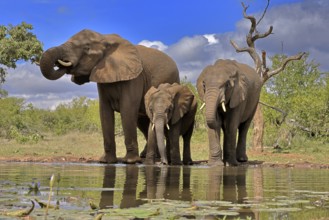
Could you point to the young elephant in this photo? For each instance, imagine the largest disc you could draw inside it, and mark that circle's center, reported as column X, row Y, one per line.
column 171, row 109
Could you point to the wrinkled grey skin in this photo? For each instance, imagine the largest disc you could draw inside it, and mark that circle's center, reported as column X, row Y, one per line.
column 123, row 73
column 238, row 86
column 171, row 109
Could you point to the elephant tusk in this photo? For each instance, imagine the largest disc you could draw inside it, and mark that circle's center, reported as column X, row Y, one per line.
column 167, row 126
column 66, row 64
column 152, row 127
column 223, row 107
column 202, row 106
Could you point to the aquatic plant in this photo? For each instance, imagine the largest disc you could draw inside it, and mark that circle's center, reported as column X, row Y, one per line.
column 51, row 183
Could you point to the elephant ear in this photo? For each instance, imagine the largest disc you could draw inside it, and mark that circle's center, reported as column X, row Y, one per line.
column 199, row 84
column 121, row 61
column 147, row 100
column 182, row 101
column 239, row 90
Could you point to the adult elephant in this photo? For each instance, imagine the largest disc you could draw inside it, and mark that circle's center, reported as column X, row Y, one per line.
column 171, row 109
column 123, row 73
column 230, row 91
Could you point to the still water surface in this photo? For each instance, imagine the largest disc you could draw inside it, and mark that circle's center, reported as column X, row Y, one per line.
column 166, row 192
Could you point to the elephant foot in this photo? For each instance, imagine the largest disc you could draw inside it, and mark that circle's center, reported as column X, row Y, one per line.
column 188, row 162
column 176, row 163
column 231, row 162
column 107, row 158
column 148, row 162
column 131, row 158
column 215, row 162
column 242, row 159
column 143, row 153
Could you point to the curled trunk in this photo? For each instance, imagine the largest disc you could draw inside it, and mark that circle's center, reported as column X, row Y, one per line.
column 48, row 62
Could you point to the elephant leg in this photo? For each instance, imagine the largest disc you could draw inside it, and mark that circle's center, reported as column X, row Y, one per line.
column 130, row 100
column 168, row 147
column 151, row 146
column 143, row 124
column 174, row 133
column 187, row 160
column 107, row 122
column 129, row 126
column 215, row 151
column 230, row 146
column 241, row 153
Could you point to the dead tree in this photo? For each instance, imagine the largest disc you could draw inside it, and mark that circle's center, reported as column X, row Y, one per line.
column 261, row 68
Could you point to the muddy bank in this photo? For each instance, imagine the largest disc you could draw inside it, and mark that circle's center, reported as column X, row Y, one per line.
column 72, row 159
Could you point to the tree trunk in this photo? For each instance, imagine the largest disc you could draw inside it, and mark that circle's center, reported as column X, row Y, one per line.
column 257, row 142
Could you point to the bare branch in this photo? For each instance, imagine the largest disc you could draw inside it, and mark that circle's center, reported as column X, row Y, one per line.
column 261, row 18
column 251, row 37
column 257, row 36
column 251, row 18
column 252, row 52
column 282, row 67
column 264, row 58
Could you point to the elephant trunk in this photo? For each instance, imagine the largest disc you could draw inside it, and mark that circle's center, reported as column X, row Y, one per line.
column 160, row 136
column 212, row 99
column 48, row 61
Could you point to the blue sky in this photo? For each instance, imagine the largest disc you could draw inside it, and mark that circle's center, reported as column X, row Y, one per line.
column 193, row 32
column 55, row 21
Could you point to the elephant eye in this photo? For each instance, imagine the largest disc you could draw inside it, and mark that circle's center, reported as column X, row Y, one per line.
column 204, row 86
column 168, row 110
column 227, row 85
column 86, row 48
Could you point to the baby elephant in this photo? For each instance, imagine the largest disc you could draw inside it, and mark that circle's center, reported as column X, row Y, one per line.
column 171, row 109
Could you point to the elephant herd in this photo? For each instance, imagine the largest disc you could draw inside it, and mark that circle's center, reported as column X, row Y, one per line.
column 142, row 84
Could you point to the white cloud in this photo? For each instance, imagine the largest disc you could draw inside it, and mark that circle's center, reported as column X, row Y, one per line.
column 211, row 38
column 154, row 44
column 26, row 81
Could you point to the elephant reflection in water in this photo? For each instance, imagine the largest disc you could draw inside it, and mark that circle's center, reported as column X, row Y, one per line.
column 230, row 180
column 129, row 188
column 164, row 183
column 160, row 183
column 174, row 183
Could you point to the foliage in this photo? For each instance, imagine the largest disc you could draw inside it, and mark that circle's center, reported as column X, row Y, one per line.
column 18, row 122
column 17, row 43
column 301, row 91
column 24, row 123
column 75, row 116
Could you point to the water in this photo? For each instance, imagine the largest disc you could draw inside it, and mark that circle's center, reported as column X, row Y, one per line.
column 161, row 192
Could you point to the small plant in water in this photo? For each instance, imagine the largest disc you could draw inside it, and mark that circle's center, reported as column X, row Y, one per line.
column 51, row 183
column 34, row 187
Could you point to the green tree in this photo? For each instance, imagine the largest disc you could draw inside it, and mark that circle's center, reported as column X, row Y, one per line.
column 17, row 43
column 301, row 90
